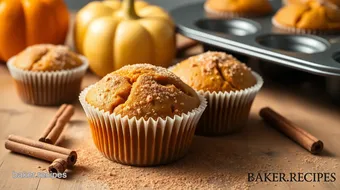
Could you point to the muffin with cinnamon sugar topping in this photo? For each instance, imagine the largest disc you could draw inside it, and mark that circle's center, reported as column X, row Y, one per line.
column 237, row 8
column 143, row 90
column 310, row 17
column 228, row 85
column 142, row 115
column 47, row 74
column 214, row 72
column 47, row 57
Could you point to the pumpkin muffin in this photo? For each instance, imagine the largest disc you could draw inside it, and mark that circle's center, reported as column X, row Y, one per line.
column 142, row 115
column 285, row 2
column 228, row 85
column 331, row 3
column 236, row 8
column 215, row 72
column 334, row 2
column 143, row 91
column 311, row 17
column 47, row 74
column 47, row 58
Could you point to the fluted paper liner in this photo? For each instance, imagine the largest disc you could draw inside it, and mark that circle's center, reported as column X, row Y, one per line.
column 48, row 87
column 227, row 112
column 141, row 142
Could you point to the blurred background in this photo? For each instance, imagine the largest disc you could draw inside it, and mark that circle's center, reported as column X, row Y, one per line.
column 167, row 4
column 268, row 70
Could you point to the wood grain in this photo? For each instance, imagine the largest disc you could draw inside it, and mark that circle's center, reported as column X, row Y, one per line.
column 307, row 109
column 315, row 115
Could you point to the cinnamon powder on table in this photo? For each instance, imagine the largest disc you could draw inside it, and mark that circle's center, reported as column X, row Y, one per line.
column 212, row 163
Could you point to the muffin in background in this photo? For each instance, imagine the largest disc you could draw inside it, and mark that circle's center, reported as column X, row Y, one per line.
column 312, row 17
column 285, row 2
column 215, row 72
column 228, row 85
column 142, row 115
column 325, row 2
column 334, row 2
column 47, row 74
column 238, row 8
column 47, row 58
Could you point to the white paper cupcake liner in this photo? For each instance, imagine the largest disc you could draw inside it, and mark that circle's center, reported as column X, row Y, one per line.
column 227, row 112
column 141, row 142
column 48, row 88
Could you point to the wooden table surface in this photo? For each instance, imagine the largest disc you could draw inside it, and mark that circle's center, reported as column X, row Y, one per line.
column 306, row 107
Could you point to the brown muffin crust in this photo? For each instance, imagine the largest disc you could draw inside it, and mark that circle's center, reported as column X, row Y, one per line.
column 143, row 90
column 239, row 7
column 214, row 72
column 46, row 57
column 309, row 17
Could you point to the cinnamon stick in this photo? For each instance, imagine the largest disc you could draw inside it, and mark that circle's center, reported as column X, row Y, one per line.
column 52, row 123
column 185, row 45
column 302, row 137
column 40, row 150
column 57, row 124
column 58, row 166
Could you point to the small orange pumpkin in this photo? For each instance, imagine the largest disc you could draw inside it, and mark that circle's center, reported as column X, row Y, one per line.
column 27, row 22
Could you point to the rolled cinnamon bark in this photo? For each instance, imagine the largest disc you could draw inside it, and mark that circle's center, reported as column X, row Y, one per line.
column 302, row 137
column 40, row 150
column 185, row 45
column 65, row 117
column 57, row 124
column 33, row 151
column 58, row 166
column 52, row 123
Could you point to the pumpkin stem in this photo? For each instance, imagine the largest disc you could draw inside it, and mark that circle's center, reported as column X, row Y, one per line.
column 129, row 9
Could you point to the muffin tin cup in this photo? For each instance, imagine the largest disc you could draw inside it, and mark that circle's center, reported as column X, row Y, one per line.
column 141, row 142
column 241, row 35
column 48, row 88
column 227, row 112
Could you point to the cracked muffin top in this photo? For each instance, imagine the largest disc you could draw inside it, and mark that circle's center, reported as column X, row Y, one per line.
column 214, row 72
column 46, row 57
column 143, row 90
column 312, row 14
column 242, row 7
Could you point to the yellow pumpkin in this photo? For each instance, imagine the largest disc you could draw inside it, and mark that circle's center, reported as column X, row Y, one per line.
column 112, row 34
column 27, row 22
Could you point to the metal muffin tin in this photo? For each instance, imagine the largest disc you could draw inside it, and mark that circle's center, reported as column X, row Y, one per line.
column 257, row 37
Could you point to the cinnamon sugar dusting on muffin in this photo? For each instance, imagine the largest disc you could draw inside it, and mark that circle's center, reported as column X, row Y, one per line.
column 46, row 57
column 143, row 90
column 215, row 71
